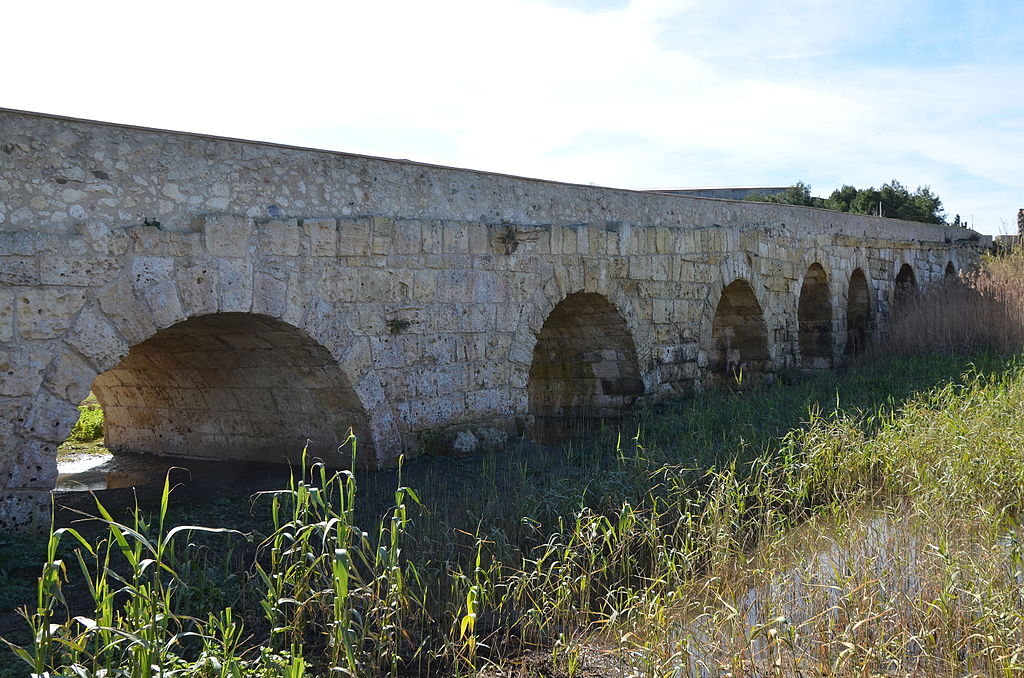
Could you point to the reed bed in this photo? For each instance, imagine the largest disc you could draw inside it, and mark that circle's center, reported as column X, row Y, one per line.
column 854, row 525
column 982, row 310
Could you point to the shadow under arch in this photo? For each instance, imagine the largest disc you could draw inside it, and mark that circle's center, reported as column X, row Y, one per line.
column 584, row 367
column 906, row 286
column 814, row 315
column 859, row 313
column 231, row 385
column 739, row 356
column 950, row 271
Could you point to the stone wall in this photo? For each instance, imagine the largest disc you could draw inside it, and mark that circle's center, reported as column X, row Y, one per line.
column 210, row 281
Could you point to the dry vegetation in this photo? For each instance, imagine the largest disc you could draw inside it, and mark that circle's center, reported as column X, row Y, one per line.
column 860, row 525
column 979, row 311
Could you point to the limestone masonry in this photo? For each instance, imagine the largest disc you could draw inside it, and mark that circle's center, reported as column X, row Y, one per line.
column 233, row 299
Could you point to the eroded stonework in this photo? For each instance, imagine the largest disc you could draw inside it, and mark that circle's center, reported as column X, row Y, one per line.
column 402, row 298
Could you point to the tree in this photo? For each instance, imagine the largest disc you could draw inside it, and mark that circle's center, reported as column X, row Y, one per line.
column 892, row 200
column 797, row 194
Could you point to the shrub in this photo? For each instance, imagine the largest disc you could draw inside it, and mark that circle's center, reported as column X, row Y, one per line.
column 89, row 426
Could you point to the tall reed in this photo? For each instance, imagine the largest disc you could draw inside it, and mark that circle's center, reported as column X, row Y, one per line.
column 857, row 527
column 979, row 311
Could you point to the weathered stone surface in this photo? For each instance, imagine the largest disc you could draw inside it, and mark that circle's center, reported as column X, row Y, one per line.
column 21, row 369
column 6, row 316
column 228, row 236
column 47, row 419
column 95, row 338
column 19, row 270
column 82, row 272
column 322, row 235
column 266, row 306
column 70, row 377
column 464, row 444
column 46, row 312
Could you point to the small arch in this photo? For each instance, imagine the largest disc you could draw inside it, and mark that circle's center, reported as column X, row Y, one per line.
column 231, row 386
column 814, row 314
column 584, row 366
column 858, row 313
column 906, row 286
column 951, row 271
column 739, row 352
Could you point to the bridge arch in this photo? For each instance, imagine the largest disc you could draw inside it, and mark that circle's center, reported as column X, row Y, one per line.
column 584, row 365
column 951, row 270
column 738, row 346
column 230, row 386
column 814, row 317
column 859, row 313
column 905, row 286
column 189, row 367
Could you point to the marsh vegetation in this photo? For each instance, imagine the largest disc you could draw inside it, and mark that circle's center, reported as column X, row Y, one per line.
column 858, row 523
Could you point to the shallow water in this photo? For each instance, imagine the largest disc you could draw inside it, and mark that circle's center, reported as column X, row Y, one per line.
column 97, row 472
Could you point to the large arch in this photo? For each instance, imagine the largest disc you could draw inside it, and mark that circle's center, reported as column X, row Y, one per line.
column 739, row 338
column 906, row 286
column 584, row 366
column 858, row 313
column 814, row 315
column 231, row 386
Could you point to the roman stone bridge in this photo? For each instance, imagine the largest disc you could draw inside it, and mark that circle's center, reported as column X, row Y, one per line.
column 232, row 299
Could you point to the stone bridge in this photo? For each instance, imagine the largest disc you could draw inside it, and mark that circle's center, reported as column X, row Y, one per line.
column 232, row 299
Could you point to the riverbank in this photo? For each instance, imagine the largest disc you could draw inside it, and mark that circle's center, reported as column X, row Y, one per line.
column 729, row 534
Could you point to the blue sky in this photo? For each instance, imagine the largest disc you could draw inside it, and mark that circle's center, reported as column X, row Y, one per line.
column 642, row 94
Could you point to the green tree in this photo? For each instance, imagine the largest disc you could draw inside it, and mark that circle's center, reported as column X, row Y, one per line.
column 797, row 194
column 892, row 200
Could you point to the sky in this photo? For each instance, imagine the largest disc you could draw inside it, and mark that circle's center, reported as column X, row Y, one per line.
column 631, row 94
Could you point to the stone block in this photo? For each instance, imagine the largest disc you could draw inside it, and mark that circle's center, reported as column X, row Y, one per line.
column 147, row 240
column 279, row 238
column 489, row 401
column 82, row 272
column 22, row 368
column 126, row 312
column 235, row 277
column 407, row 237
column 322, row 236
column 34, row 465
column 47, row 418
column 455, row 237
column 103, row 240
column 185, row 244
column 95, row 337
column 197, row 285
column 228, row 235
column 48, row 312
column 568, row 240
column 353, row 238
column 163, row 299
column 6, row 316
column 19, row 270
column 70, row 378
column 269, row 295
column 149, row 271
column 480, row 241
column 382, row 233
column 431, row 237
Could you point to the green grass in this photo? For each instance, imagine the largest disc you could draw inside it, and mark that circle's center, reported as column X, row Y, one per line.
column 727, row 533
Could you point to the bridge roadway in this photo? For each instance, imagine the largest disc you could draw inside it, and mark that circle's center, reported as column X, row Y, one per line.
column 231, row 299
